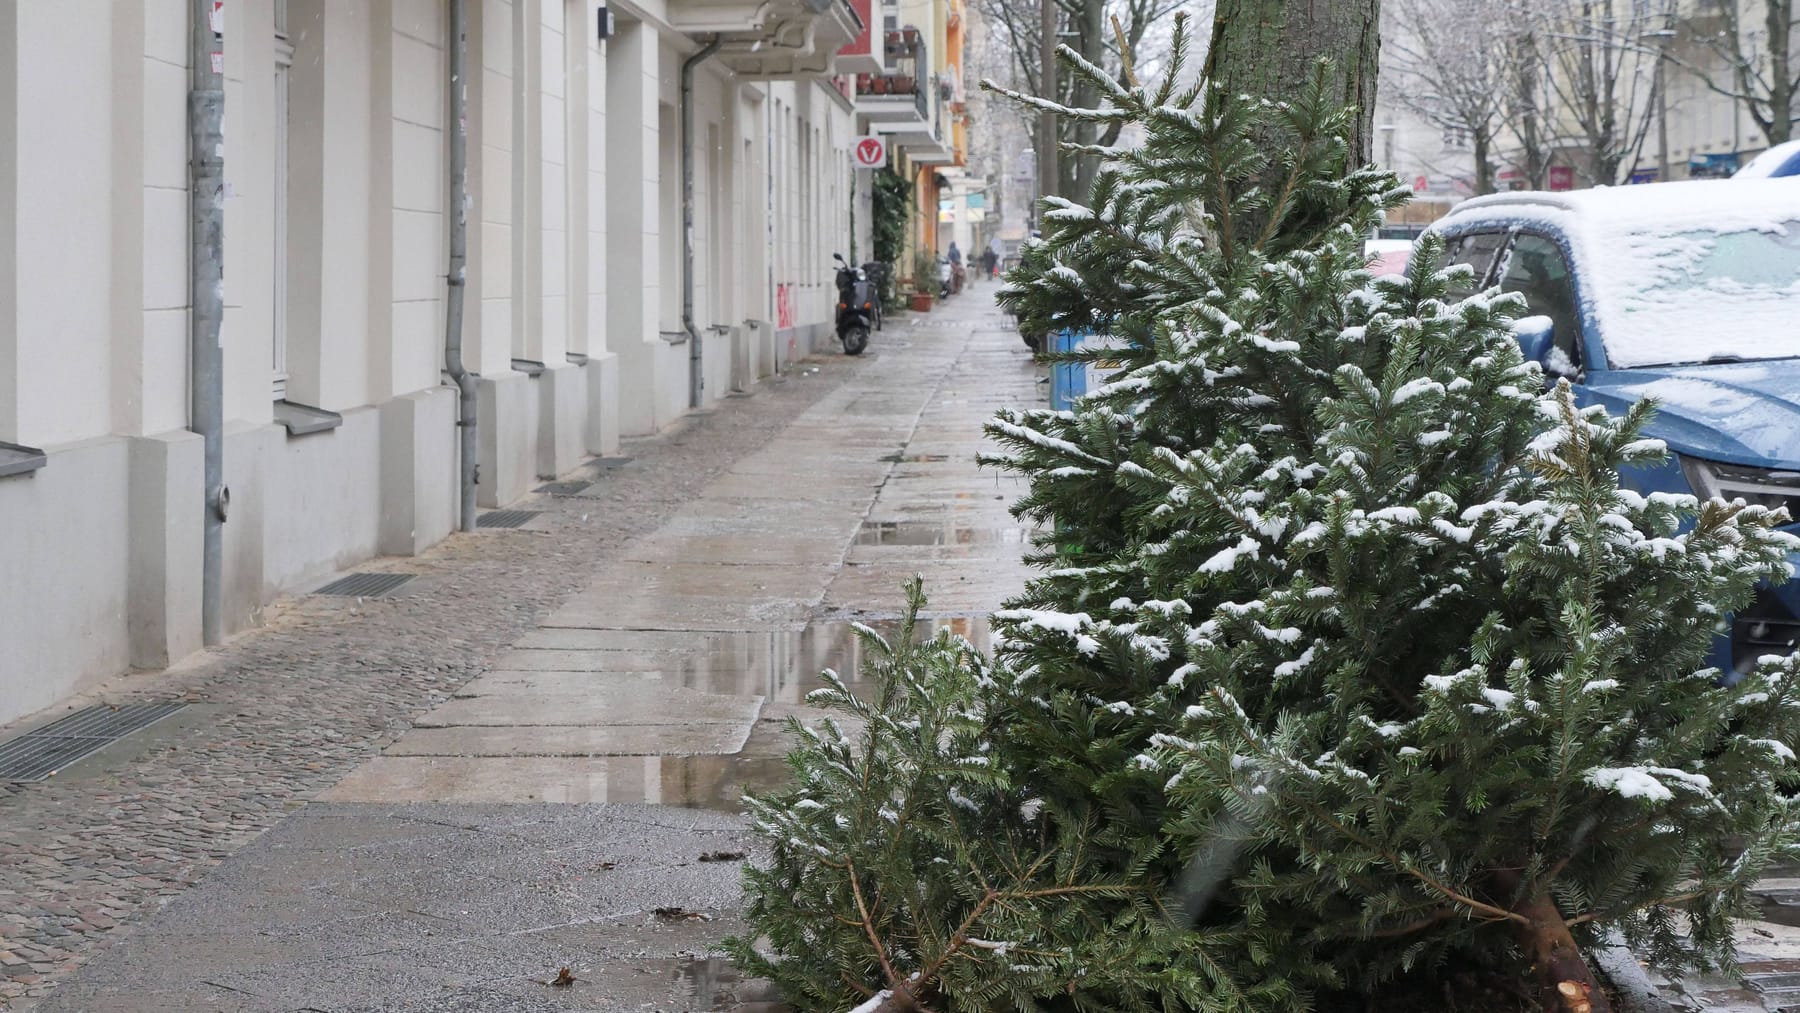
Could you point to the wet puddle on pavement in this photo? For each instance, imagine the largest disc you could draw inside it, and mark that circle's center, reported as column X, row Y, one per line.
column 922, row 533
column 782, row 667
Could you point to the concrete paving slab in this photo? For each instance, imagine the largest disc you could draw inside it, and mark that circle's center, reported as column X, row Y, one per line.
column 789, row 460
column 788, row 683
column 795, row 550
column 699, row 577
column 610, row 740
column 697, row 614
column 949, row 586
column 797, row 490
column 615, row 641
column 574, row 660
column 699, row 781
column 602, row 705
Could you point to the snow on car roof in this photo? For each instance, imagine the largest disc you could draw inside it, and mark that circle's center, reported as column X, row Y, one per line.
column 1674, row 272
column 1741, row 202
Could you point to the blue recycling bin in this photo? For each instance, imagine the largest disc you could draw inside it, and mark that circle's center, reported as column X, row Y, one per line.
column 1068, row 380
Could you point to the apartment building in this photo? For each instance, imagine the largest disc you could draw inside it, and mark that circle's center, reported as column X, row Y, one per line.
column 340, row 432
column 909, row 91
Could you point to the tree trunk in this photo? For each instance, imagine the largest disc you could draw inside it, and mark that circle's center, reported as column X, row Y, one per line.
column 1093, row 34
column 1565, row 983
column 1780, row 25
column 1484, row 172
column 1527, row 61
column 1268, row 49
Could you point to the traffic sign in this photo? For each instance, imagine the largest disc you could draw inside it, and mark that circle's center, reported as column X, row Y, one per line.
column 870, row 152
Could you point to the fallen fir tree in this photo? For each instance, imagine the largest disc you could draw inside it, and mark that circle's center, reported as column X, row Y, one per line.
column 1351, row 671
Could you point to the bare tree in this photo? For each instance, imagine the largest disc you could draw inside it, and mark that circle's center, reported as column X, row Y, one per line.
column 1753, row 59
column 1601, row 78
column 1451, row 65
column 1087, row 28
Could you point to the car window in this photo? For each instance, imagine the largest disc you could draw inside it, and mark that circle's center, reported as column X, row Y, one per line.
column 1476, row 250
column 1536, row 269
column 1669, row 293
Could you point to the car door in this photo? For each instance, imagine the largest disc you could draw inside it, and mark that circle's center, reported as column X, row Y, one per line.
column 1535, row 265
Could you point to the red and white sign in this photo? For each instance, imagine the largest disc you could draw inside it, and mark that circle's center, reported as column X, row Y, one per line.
column 869, row 152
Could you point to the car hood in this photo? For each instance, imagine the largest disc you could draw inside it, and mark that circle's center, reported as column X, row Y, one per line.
column 1740, row 413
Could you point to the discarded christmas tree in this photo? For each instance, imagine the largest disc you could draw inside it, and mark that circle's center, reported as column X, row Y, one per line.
column 1350, row 667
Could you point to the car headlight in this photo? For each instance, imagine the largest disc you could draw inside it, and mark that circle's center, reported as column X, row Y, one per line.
column 1762, row 487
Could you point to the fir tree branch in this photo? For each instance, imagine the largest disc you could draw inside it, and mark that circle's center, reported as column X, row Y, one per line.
column 1418, row 925
column 1608, row 916
column 887, row 969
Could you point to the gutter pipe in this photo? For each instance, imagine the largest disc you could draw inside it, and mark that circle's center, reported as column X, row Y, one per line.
column 696, row 374
column 206, row 263
column 468, row 473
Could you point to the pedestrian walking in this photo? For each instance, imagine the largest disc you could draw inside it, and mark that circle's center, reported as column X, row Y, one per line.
column 990, row 262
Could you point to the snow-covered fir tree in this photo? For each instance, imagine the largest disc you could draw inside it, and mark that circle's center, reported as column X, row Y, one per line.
column 1350, row 667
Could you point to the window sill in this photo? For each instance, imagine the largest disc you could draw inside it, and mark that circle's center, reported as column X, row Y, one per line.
column 304, row 420
column 530, row 367
column 17, row 460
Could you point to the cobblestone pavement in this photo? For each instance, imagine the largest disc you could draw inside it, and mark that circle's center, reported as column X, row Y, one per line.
column 284, row 711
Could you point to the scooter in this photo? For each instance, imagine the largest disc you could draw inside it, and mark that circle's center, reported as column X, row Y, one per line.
column 946, row 278
column 856, row 306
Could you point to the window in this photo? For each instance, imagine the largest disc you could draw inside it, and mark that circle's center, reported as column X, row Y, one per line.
column 278, row 325
column 1536, row 269
column 1476, row 250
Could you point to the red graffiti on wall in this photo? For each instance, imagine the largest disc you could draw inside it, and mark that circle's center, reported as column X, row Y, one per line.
column 784, row 306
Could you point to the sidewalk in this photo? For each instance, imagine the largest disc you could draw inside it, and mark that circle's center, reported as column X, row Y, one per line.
column 530, row 757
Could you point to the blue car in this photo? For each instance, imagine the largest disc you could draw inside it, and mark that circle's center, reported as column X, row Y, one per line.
column 1780, row 160
column 1686, row 292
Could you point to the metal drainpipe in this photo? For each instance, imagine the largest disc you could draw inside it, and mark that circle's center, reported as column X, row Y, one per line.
column 206, row 236
column 696, row 375
column 456, row 280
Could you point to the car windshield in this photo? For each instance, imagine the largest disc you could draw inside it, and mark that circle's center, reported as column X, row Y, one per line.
column 1694, row 294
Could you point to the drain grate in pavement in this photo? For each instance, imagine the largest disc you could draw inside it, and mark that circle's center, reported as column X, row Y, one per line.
column 572, row 488
column 505, row 518
column 603, row 465
column 43, row 751
column 364, row 585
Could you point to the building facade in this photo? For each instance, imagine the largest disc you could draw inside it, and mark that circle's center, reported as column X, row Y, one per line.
column 340, row 432
column 907, row 78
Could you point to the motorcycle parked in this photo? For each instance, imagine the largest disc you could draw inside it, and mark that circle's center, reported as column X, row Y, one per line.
column 857, row 306
column 946, row 278
column 876, row 273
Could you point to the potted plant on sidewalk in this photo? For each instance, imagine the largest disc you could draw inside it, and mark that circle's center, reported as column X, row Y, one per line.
column 924, row 281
